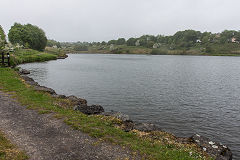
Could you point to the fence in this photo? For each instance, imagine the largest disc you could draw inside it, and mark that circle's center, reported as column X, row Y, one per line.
column 5, row 59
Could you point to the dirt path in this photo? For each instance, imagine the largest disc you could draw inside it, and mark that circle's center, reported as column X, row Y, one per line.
column 44, row 137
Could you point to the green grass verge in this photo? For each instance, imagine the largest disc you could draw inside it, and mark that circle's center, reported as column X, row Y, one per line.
column 162, row 148
column 8, row 151
column 28, row 55
column 55, row 51
column 228, row 49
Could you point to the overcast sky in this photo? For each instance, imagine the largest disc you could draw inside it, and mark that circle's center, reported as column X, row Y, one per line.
column 97, row 20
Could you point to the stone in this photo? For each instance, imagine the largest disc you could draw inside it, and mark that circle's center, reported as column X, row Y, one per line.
column 62, row 56
column 32, row 83
column 127, row 126
column 44, row 89
column 76, row 100
column 146, row 127
column 184, row 140
column 26, row 78
column 217, row 150
column 122, row 116
column 29, row 81
column 24, row 71
column 118, row 115
column 58, row 96
column 93, row 109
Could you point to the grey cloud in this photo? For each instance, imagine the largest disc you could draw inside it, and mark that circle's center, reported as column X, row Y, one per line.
column 97, row 20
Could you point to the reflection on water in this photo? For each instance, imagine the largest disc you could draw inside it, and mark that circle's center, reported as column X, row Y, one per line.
column 182, row 94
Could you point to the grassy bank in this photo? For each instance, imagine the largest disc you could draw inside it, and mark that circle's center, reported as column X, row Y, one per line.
column 8, row 151
column 155, row 145
column 229, row 49
column 55, row 51
column 20, row 56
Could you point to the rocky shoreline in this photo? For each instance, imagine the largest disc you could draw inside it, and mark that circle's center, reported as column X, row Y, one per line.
column 214, row 149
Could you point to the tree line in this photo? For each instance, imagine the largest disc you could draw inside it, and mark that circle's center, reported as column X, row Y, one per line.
column 31, row 36
column 180, row 40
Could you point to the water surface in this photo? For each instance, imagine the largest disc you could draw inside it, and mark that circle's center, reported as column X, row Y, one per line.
column 181, row 94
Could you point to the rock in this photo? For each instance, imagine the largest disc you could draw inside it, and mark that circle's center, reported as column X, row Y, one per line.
column 29, row 81
column 62, row 57
column 184, row 140
column 26, row 78
column 44, row 89
column 93, row 109
column 127, row 126
column 32, row 83
column 24, row 71
column 146, row 127
column 119, row 115
column 58, row 96
column 77, row 101
column 37, row 87
column 217, row 150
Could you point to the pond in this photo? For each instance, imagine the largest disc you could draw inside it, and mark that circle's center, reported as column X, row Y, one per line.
column 181, row 94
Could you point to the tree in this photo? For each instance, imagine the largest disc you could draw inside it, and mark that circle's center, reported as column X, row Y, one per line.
column 2, row 38
column 121, row 41
column 28, row 35
column 186, row 38
column 227, row 35
column 112, row 42
column 51, row 43
column 150, row 44
column 206, row 37
column 237, row 36
column 103, row 43
column 131, row 42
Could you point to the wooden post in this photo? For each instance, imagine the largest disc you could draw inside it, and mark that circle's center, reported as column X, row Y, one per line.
column 8, row 58
column 2, row 59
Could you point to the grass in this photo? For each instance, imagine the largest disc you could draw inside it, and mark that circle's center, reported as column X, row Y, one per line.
column 9, row 151
column 55, row 51
column 28, row 55
column 228, row 49
column 155, row 145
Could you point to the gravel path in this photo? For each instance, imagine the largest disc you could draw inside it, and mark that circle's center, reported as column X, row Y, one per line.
column 44, row 137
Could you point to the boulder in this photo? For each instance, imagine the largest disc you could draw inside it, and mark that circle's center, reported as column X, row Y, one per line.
column 146, row 127
column 77, row 101
column 37, row 87
column 127, row 126
column 93, row 109
column 217, row 150
column 32, row 83
column 24, row 71
column 58, row 96
column 44, row 89
column 29, row 81
column 62, row 56
column 26, row 78
column 119, row 115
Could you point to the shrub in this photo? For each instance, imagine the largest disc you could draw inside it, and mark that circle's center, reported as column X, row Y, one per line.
column 28, row 35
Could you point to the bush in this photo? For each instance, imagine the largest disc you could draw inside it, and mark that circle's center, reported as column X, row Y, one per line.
column 28, row 35
column 2, row 38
